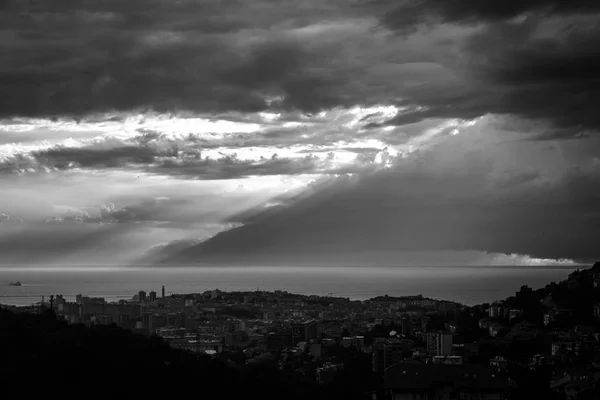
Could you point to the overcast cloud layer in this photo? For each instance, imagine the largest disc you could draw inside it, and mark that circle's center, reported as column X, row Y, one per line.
column 439, row 127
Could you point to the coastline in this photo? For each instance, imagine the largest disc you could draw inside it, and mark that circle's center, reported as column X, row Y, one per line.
column 468, row 284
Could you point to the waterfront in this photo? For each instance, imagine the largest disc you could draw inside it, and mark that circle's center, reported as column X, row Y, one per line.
column 467, row 285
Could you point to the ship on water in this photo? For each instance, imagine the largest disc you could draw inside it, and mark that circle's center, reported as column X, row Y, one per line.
column 17, row 283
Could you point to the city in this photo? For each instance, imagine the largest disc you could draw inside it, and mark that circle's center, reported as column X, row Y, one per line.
column 548, row 339
column 411, row 186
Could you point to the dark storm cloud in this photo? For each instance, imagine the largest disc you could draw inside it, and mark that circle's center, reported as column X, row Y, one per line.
column 413, row 12
column 81, row 57
column 162, row 252
column 112, row 157
column 553, row 78
column 77, row 57
column 510, row 179
column 342, row 220
column 96, row 56
column 455, row 196
column 539, row 69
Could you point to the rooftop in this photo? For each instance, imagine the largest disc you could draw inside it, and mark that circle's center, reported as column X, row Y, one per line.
column 426, row 376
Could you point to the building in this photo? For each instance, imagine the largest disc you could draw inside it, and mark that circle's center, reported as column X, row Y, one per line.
column 279, row 340
column 406, row 328
column 565, row 348
column 152, row 296
column 439, row 343
column 326, row 374
column 268, row 315
column 353, row 341
column 305, row 331
column 197, row 346
column 176, row 319
column 499, row 362
column 377, row 355
column 290, row 302
column 69, row 308
column 147, row 321
column 316, row 349
column 163, row 292
column 59, row 300
column 444, row 381
column 496, row 329
column 121, row 318
column 142, row 296
column 389, row 352
column 424, row 322
column 512, row 314
column 392, row 353
column 170, row 332
column 235, row 339
column 448, row 306
column 451, row 360
column 495, row 310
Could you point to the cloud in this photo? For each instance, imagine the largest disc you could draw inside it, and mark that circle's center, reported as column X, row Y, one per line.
column 110, row 235
column 8, row 220
column 537, row 67
column 192, row 55
column 65, row 225
column 163, row 251
column 410, row 13
column 104, row 152
column 523, row 260
column 328, row 146
column 426, row 119
column 210, row 58
column 173, row 161
column 454, row 196
column 159, row 209
column 511, row 178
column 83, row 244
column 47, row 244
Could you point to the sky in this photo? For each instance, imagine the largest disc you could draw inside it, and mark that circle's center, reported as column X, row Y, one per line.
column 416, row 132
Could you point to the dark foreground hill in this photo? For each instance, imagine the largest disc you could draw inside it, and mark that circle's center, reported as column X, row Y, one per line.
column 40, row 354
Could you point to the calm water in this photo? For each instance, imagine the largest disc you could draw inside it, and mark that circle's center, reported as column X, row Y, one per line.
column 468, row 285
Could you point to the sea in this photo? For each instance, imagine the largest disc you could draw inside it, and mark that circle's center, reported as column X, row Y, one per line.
column 467, row 285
